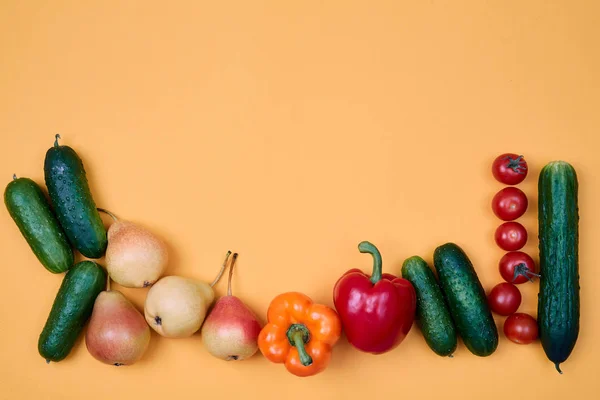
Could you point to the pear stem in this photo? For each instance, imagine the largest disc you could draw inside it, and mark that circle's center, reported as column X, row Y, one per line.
column 220, row 274
column 56, row 137
column 235, row 256
column 107, row 282
column 14, row 177
column 113, row 216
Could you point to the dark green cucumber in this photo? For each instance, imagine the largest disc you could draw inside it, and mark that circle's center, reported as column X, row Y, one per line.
column 558, row 300
column 71, row 309
column 72, row 200
column 30, row 210
column 433, row 315
column 466, row 299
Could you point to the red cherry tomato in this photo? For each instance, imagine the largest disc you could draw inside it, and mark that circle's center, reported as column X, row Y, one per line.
column 511, row 236
column 504, row 299
column 509, row 203
column 521, row 328
column 517, row 267
column 509, row 168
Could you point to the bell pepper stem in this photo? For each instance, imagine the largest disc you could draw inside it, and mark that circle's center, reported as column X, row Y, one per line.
column 305, row 359
column 298, row 335
column 367, row 247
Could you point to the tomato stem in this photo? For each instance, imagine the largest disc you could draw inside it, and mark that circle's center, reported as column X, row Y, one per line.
column 522, row 269
column 298, row 335
column 516, row 164
column 220, row 274
column 367, row 247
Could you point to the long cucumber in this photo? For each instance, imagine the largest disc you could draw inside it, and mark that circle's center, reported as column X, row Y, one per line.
column 558, row 305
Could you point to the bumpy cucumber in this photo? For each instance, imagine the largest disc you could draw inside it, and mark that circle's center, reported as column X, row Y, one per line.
column 71, row 309
column 433, row 314
column 466, row 299
column 30, row 210
column 72, row 200
column 558, row 305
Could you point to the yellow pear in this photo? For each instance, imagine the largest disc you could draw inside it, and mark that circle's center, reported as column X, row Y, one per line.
column 135, row 257
column 176, row 306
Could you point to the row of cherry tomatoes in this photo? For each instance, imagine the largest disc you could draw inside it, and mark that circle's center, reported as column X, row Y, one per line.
column 516, row 267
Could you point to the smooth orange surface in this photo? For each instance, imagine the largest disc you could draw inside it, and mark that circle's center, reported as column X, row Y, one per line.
column 317, row 322
column 289, row 132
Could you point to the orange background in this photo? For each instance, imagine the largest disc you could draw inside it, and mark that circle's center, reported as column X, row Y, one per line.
column 289, row 132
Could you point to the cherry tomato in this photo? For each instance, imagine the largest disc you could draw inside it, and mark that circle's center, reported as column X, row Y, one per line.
column 504, row 299
column 509, row 203
column 511, row 236
column 517, row 267
column 521, row 328
column 509, row 168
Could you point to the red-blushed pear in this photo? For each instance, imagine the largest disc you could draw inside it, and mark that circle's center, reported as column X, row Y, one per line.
column 117, row 333
column 231, row 330
column 135, row 257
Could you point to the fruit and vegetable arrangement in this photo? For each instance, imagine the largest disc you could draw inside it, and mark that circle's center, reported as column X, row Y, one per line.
column 376, row 311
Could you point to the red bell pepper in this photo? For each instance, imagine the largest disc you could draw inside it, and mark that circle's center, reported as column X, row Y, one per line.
column 376, row 311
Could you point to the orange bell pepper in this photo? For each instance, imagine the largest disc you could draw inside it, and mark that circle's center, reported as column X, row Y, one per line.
column 299, row 333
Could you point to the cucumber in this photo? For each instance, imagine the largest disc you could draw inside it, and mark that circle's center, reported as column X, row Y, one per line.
column 433, row 315
column 466, row 299
column 558, row 299
column 73, row 202
column 30, row 210
column 71, row 309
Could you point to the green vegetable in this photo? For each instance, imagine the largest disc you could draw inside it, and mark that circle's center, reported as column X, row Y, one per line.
column 30, row 210
column 466, row 299
column 558, row 305
column 72, row 200
column 71, row 309
column 433, row 314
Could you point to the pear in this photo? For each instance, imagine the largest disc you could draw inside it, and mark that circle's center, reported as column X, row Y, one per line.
column 117, row 333
column 134, row 256
column 231, row 330
column 176, row 306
